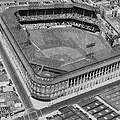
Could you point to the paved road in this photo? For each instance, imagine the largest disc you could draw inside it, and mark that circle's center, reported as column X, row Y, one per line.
column 12, row 68
column 25, row 99
column 32, row 114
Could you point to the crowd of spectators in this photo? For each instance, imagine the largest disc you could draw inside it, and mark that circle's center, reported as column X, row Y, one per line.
column 50, row 25
column 64, row 17
column 59, row 16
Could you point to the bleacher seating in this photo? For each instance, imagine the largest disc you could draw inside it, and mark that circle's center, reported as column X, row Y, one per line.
column 62, row 23
column 57, row 13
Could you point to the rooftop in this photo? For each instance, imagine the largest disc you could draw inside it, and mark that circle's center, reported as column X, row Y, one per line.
column 3, row 78
column 115, row 21
column 100, row 1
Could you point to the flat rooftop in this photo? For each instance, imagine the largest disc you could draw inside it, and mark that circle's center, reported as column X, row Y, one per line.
column 115, row 21
column 100, row 1
column 60, row 48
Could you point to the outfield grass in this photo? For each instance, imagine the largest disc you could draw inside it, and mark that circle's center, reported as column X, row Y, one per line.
column 64, row 44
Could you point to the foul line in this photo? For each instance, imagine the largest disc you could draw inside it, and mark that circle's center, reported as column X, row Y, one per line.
column 36, row 46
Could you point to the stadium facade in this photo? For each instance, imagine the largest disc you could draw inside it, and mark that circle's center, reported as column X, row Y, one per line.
column 68, row 84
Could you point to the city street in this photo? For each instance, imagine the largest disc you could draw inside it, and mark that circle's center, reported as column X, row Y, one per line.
column 11, row 71
column 16, row 80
